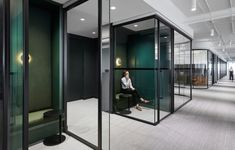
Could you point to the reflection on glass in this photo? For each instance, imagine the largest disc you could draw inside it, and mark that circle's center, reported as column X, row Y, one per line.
column 44, row 69
column 165, row 70
column 135, row 55
column 210, row 68
column 182, row 75
column 223, row 68
column 215, row 66
column 82, row 71
column 1, row 77
column 16, row 75
column 200, row 69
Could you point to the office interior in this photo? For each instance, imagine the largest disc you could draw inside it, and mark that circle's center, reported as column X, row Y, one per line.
column 58, row 59
column 207, row 68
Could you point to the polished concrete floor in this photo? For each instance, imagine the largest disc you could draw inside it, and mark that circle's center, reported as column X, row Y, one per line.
column 206, row 123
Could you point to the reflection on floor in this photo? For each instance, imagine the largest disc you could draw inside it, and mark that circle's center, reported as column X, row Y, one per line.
column 180, row 100
column 69, row 144
column 83, row 119
column 146, row 114
column 206, row 123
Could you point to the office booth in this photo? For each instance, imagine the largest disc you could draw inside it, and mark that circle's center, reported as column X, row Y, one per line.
column 203, row 68
column 182, row 70
column 222, row 68
column 145, row 48
column 46, row 66
column 207, row 68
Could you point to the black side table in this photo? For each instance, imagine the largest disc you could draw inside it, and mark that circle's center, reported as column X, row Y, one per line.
column 54, row 139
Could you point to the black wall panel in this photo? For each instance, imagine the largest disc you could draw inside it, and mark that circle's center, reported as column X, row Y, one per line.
column 82, row 67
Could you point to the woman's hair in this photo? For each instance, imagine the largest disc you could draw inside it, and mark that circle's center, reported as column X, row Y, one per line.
column 124, row 73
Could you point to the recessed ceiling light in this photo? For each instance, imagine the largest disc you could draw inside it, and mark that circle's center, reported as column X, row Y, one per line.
column 223, row 49
column 113, row 8
column 165, row 37
column 219, row 43
column 136, row 25
column 194, row 5
column 82, row 19
column 93, row 32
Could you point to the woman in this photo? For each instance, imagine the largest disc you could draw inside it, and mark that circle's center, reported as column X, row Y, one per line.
column 231, row 73
column 127, row 88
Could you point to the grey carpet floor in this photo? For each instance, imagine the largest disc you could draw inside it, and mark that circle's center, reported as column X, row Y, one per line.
column 205, row 123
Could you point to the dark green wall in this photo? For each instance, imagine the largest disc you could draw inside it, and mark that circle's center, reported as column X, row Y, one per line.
column 136, row 52
column 141, row 54
column 40, row 69
column 45, row 69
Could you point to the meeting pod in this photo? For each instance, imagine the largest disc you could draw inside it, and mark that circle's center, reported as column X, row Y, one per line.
column 207, row 68
column 51, row 73
column 150, row 78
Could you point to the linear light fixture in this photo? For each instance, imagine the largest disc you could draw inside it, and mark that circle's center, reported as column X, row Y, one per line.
column 194, row 5
column 212, row 32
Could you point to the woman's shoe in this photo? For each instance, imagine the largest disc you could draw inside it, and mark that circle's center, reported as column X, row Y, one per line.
column 145, row 101
column 138, row 108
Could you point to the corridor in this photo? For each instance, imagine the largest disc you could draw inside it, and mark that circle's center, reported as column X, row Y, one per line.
column 205, row 123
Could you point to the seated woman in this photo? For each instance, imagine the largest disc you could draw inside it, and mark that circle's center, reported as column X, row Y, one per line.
column 127, row 88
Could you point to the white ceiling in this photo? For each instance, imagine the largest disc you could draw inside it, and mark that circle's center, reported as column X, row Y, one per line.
column 216, row 14
column 125, row 9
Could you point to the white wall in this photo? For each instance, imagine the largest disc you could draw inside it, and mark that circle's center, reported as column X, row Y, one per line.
column 167, row 10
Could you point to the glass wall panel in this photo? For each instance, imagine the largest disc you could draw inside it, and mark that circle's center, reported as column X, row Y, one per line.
column 199, row 69
column 105, row 75
column 215, row 64
column 210, row 68
column 165, row 84
column 182, row 65
column 16, row 75
column 223, row 68
column 135, row 62
column 83, row 71
column 1, row 74
column 45, row 70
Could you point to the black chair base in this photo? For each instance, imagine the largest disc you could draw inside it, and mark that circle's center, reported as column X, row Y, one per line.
column 54, row 140
column 125, row 112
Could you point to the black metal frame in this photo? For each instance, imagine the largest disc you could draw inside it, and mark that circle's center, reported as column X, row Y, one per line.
column 158, row 19
column 6, row 72
column 179, row 87
column 65, row 54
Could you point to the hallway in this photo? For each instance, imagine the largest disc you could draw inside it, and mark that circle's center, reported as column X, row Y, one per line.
column 205, row 123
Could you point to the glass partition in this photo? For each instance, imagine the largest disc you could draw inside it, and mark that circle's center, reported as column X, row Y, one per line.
column 44, row 69
column 165, row 80
column 215, row 64
column 223, row 68
column 16, row 75
column 1, row 74
column 210, row 68
column 134, row 54
column 182, row 70
column 82, row 72
column 200, row 69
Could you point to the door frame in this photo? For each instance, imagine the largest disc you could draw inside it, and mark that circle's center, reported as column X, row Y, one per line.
column 65, row 9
